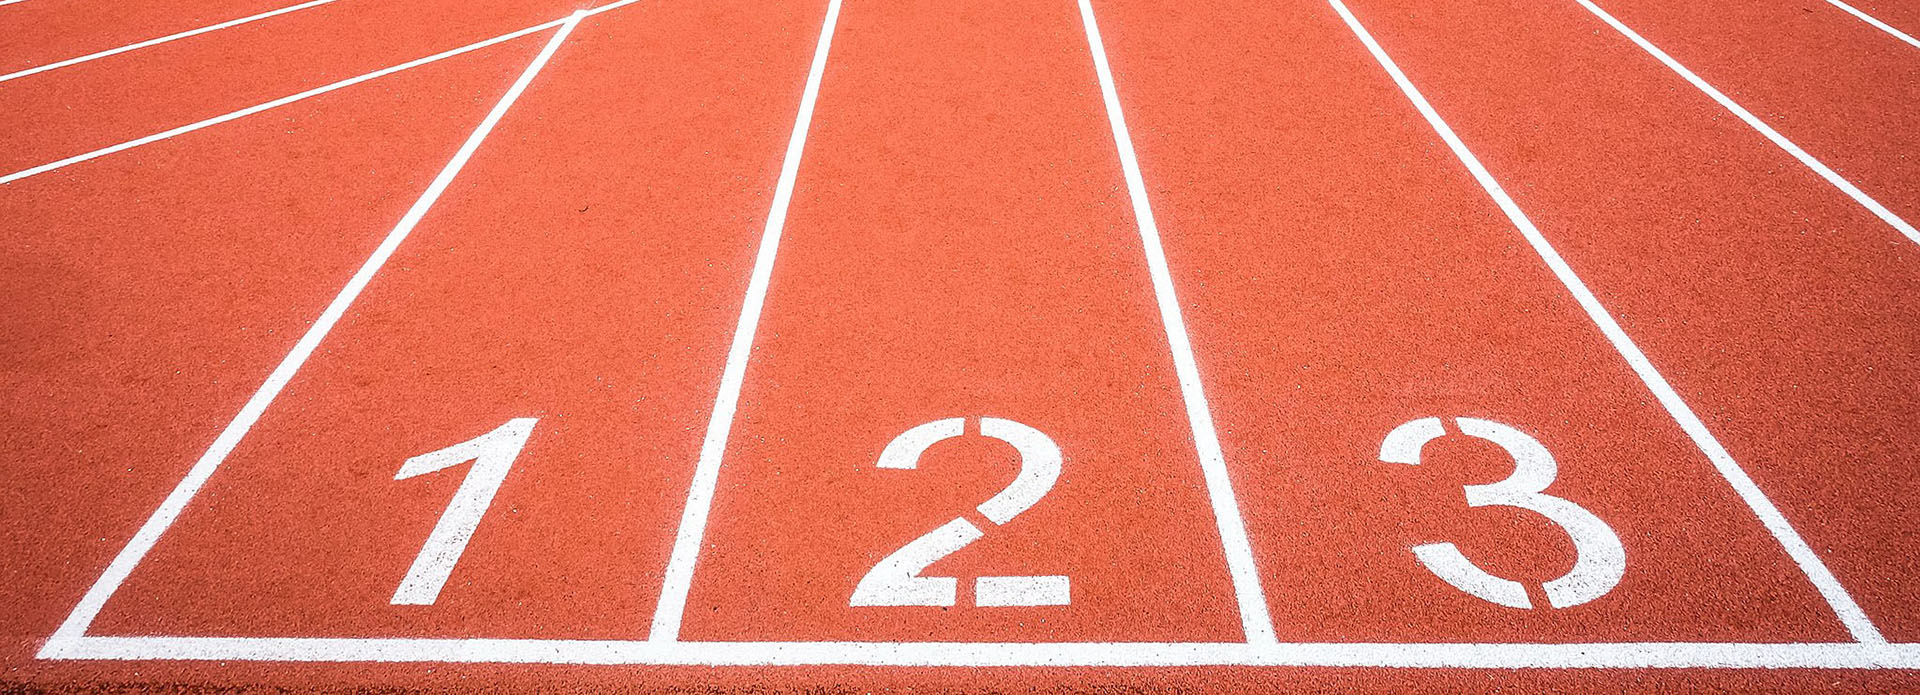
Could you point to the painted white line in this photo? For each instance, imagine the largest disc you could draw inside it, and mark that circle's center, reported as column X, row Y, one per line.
column 706, row 474
column 164, row 39
column 1754, row 122
column 75, row 626
column 1877, row 24
column 1849, row 655
column 283, row 101
column 9, row 2
column 1252, row 601
column 1823, row 580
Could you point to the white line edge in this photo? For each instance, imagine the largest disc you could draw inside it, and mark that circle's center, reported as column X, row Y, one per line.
column 75, row 626
column 1754, row 122
column 1252, row 602
column 1842, row 603
column 678, row 578
column 1877, row 24
column 155, row 42
column 1664, row 655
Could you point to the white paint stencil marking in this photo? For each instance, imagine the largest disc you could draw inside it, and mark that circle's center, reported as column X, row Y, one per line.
column 1810, row 564
column 1599, row 559
column 896, row 579
column 492, row 455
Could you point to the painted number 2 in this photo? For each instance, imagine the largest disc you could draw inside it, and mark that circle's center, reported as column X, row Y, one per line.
column 1599, row 560
column 492, row 454
column 896, row 580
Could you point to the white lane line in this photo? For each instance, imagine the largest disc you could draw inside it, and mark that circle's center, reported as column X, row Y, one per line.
column 1638, row 655
column 1754, row 122
column 1254, row 620
column 1877, row 24
column 9, row 2
column 75, row 626
column 706, row 474
column 283, row 101
column 164, row 39
column 1823, row 580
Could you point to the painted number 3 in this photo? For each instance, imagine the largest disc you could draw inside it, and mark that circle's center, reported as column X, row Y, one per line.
column 896, row 580
column 1599, row 560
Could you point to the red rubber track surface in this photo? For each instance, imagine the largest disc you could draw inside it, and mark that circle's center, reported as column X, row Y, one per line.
column 961, row 243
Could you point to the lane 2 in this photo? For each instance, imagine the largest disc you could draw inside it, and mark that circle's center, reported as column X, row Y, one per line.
column 960, row 420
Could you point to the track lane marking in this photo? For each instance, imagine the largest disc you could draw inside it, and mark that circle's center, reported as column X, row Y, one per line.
column 1664, row 655
column 155, row 42
column 90, row 605
column 678, row 578
column 1851, row 616
column 1252, row 601
column 1877, row 24
column 1754, row 122
column 283, row 101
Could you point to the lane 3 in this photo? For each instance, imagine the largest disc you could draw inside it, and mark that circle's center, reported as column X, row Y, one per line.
column 1834, row 85
column 580, row 272
column 149, row 296
column 1347, row 279
column 76, row 109
column 1780, row 309
column 960, row 256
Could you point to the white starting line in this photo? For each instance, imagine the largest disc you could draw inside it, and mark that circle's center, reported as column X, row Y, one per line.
column 1135, row 654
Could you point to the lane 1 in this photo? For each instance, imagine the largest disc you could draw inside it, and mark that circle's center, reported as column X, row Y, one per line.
column 960, row 252
column 46, row 31
column 581, row 272
column 1836, row 86
column 1433, row 441
column 72, row 110
column 1780, row 309
column 150, row 293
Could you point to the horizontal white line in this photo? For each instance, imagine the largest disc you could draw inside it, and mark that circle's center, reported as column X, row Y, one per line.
column 1877, row 24
column 161, row 40
column 1432, row 655
column 9, row 2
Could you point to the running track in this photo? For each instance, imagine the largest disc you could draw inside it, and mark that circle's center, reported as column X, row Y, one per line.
column 1347, row 345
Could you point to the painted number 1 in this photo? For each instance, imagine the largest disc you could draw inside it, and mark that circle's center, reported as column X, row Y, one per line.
column 492, row 454
column 1599, row 560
